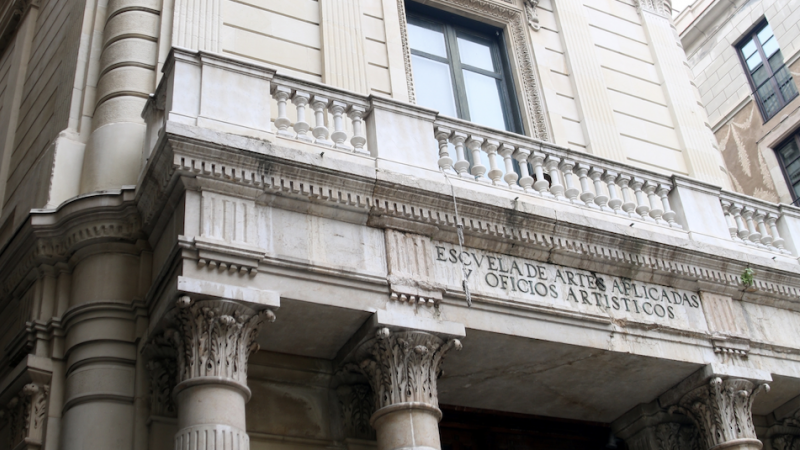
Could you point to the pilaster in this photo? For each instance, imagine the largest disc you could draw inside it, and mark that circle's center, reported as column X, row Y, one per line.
column 597, row 116
column 700, row 154
column 343, row 53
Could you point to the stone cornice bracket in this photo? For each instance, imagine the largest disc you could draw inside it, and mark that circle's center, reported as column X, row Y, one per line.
column 402, row 367
column 722, row 410
column 162, row 367
column 26, row 414
column 213, row 339
column 533, row 16
column 660, row 7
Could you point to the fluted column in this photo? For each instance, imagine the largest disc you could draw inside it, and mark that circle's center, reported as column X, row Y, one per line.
column 722, row 410
column 402, row 367
column 343, row 54
column 213, row 340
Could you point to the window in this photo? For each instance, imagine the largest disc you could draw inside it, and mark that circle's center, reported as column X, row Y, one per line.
column 771, row 82
column 789, row 157
column 460, row 68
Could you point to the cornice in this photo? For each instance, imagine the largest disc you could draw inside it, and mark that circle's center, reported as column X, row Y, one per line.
column 385, row 200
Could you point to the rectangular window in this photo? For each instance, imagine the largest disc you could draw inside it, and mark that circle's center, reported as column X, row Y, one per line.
column 789, row 157
column 460, row 68
column 771, row 81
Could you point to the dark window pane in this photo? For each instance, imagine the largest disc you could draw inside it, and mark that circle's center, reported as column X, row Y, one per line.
column 760, row 76
column 768, row 99
column 433, row 85
column 789, row 152
column 776, row 61
column 427, row 40
column 475, row 54
column 786, row 83
column 793, row 170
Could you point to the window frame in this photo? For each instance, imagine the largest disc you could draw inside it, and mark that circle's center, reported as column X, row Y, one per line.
column 752, row 35
column 795, row 136
column 454, row 26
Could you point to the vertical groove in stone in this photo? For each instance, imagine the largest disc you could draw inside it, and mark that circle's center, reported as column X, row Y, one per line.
column 697, row 141
column 343, row 50
column 597, row 116
column 197, row 25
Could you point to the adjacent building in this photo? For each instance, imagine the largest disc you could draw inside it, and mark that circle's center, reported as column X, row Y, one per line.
column 397, row 224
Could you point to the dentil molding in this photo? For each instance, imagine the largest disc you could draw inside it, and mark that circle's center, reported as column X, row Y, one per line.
column 403, row 366
column 722, row 410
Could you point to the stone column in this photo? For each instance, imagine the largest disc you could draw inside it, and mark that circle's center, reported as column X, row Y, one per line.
column 722, row 411
column 402, row 367
column 213, row 339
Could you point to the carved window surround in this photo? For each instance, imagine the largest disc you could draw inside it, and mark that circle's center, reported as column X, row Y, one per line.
column 515, row 22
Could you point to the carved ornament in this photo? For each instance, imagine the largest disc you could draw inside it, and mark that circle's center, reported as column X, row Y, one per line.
column 162, row 366
column 357, row 404
column 677, row 436
column 26, row 414
column 660, row 7
column 530, row 12
column 722, row 410
column 403, row 366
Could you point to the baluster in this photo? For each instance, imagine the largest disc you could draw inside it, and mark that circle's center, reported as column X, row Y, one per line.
column 320, row 131
column 551, row 164
column 300, row 101
column 356, row 115
column 526, row 180
column 507, row 151
column 572, row 192
column 655, row 207
column 628, row 204
column 445, row 161
column 753, row 236
column 601, row 199
column 495, row 174
column 462, row 165
column 614, row 202
column 777, row 240
column 741, row 228
column 669, row 214
column 643, row 206
column 338, row 136
column 587, row 196
column 541, row 185
column 282, row 122
column 478, row 170
column 732, row 229
column 766, row 239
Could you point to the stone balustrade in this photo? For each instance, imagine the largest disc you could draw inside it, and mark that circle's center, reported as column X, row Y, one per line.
column 261, row 103
column 541, row 169
column 322, row 115
column 753, row 222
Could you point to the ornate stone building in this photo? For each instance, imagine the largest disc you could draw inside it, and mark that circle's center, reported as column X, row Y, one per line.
column 356, row 224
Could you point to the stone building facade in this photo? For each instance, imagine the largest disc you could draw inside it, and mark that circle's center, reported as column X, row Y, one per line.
column 249, row 224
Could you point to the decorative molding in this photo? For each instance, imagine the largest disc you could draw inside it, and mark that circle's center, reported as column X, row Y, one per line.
column 403, row 366
column 676, row 436
column 401, row 13
column 722, row 410
column 410, row 270
column 357, row 404
column 660, row 7
column 214, row 338
column 27, row 416
column 521, row 52
column 533, row 16
column 212, row 436
column 786, row 442
column 162, row 366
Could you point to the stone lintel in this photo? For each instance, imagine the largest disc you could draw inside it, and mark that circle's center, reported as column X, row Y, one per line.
column 255, row 298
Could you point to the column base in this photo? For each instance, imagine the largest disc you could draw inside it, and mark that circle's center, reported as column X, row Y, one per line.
column 739, row 444
column 218, row 437
column 407, row 426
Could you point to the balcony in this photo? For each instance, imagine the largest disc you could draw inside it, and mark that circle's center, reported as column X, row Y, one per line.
column 369, row 133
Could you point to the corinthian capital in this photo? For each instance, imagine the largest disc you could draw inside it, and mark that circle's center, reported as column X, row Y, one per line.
column 214, row 338
column 722, row 410
column 402, row 367
column 661, row 7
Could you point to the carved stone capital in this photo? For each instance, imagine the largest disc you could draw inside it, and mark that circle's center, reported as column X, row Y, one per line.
column 162, row 367
column 26, row 414
column 403, row 366
column 357, row 404
column 722, row 410
column 660, row 7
